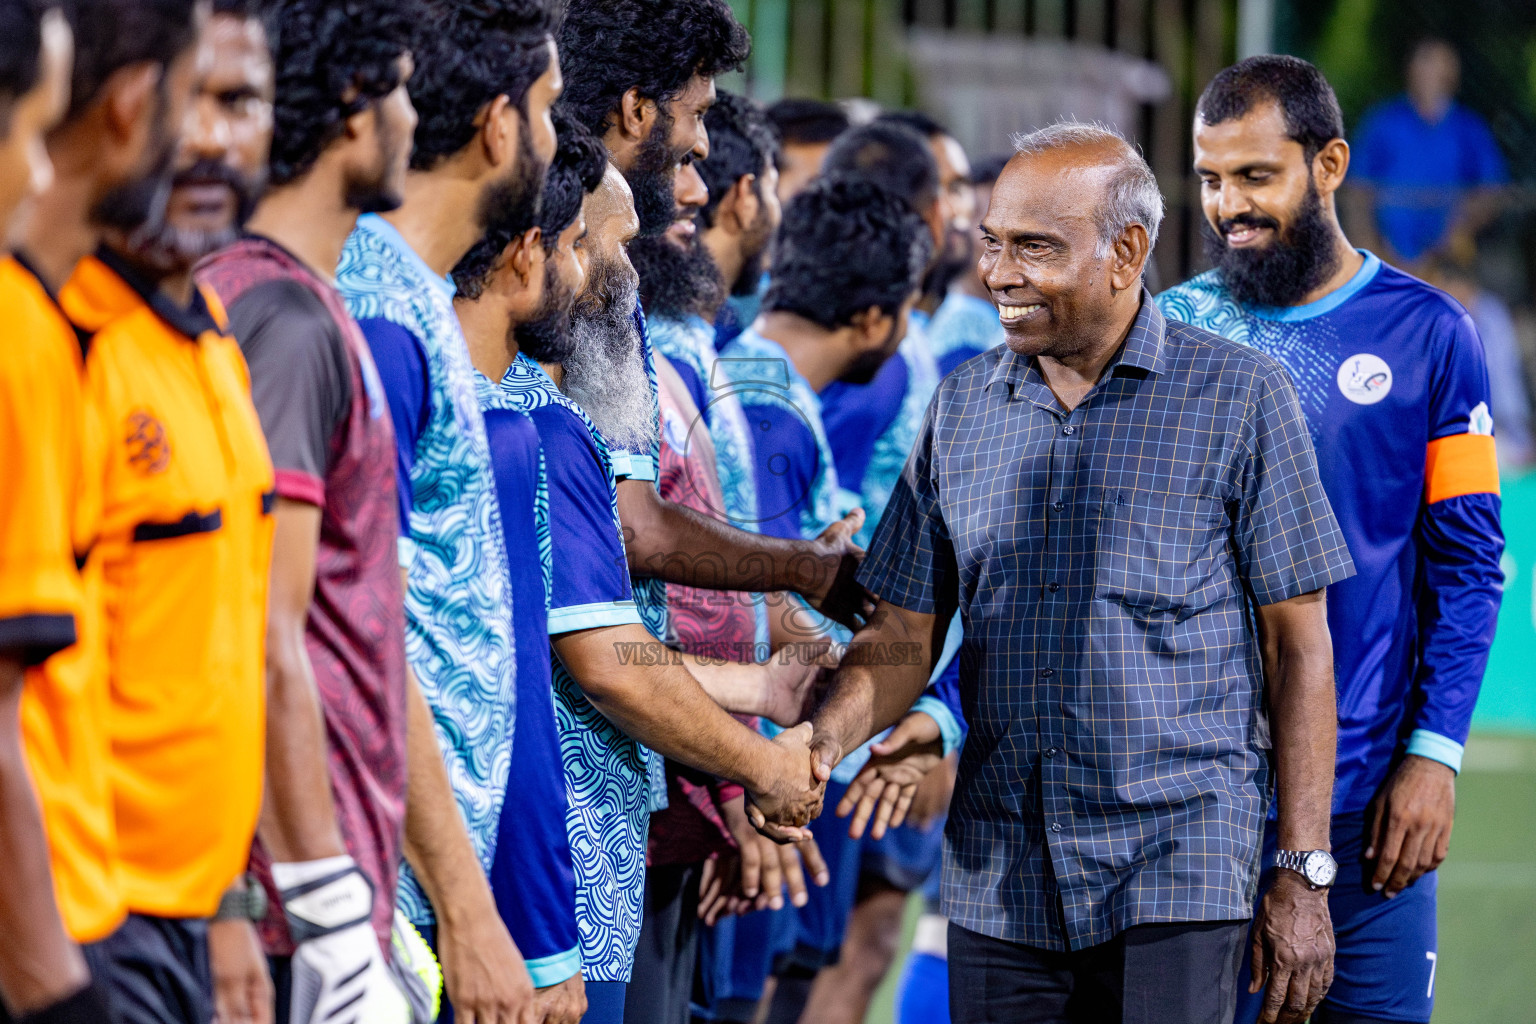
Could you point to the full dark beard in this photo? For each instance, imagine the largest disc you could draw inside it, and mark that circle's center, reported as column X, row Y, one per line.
column 376, row 193
column 677, row 282
column 547, row 337
column 1282, row 273
column 513, row 203
column 654, row 176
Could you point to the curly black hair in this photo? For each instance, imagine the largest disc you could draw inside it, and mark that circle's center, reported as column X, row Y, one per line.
column 656, row 46
column 333, row 58
column 1306, row 100
column 478, row 50
column 577, row 169
column 21, row 28
column 846, row 244
column 112, row 34
column 892, row 156
column 741, row 142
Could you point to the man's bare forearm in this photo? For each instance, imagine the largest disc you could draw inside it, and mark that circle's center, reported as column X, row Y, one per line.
column 39, row 964
column 1303, row 715
column 665, row 708
column 676, row 544
column 882, row 675
column 298, row 818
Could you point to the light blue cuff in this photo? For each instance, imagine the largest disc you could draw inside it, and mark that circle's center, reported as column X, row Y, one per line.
column 406, row 552
column 1423, row 743
column 552, row 970
column 593, row 616
column 949, row 726
column 633, row 466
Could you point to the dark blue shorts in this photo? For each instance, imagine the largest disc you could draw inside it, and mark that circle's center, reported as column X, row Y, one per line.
column 735, row 959
column 1387, row 949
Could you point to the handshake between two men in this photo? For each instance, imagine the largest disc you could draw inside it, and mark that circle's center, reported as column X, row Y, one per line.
column 880, row 676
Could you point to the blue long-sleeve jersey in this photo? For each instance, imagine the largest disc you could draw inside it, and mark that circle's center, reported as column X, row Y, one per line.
column 1392, row 378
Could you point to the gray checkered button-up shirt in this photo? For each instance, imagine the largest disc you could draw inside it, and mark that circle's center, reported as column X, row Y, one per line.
column 1106, row 562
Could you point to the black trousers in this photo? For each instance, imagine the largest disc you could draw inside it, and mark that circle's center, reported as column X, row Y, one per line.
column 1150, row 974
column 661, row 985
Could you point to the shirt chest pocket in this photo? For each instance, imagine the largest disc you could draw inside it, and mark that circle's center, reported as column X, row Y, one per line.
column 1163, row 552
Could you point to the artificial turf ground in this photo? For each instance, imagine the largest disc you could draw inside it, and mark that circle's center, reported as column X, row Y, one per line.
column 1486, row 972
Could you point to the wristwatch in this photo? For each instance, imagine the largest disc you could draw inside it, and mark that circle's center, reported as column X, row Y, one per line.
column 245, row 900
column 1317, row 867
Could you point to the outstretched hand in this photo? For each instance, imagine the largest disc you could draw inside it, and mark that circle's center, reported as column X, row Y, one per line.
column 883, row 791
column 836, row 592
column 793, row 798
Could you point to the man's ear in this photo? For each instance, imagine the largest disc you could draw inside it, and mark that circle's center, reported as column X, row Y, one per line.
column 131, row 95
column 1330, row 167
column 522, row 253
column 499, row 124
column 636, row 115
column 1129, row 258
column 740, row 206
column 871, row 329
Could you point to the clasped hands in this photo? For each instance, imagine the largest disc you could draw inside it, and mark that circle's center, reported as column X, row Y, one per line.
column 879, row 798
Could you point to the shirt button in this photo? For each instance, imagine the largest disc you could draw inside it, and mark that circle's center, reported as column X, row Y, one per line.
column 1069, row 430
column 1055, row 826
column 1060, row 506
column 1050, row 751
column 1053, row 586
column 1046, row 673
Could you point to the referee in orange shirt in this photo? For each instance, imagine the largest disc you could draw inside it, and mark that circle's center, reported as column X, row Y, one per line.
column 182, row 540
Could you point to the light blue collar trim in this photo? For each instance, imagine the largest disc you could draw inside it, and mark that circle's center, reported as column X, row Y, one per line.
column 1328, row 303
column 392, row 237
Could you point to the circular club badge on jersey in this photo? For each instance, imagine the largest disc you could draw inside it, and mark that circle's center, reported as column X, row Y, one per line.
column 1365, row 379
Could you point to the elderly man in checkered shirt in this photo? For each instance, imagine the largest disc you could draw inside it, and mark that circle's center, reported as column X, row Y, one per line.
column 1127, row 513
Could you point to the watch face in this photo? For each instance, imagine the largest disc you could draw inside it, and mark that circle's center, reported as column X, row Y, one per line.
column 1319, row 868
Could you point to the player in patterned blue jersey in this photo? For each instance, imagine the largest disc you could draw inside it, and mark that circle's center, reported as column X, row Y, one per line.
column 526, row 268
column 483, row 139
column 642, row 79
column 1391, row 376
column 616, row 691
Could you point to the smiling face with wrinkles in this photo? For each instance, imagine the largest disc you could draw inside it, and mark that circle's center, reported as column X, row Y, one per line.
column 1042, row 261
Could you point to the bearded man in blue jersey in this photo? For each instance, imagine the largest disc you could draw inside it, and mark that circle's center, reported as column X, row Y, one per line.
column 1392, row 379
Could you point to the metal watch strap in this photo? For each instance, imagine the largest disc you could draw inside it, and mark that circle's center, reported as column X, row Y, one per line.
column 1296, row 861
column 243, row 901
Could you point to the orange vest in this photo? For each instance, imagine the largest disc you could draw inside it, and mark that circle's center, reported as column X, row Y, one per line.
column 185, row 550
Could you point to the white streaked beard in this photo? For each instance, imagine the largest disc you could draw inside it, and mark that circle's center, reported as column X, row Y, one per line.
column 605, row 374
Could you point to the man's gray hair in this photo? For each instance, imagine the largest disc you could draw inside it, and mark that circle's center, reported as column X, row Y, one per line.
column 1132, row 197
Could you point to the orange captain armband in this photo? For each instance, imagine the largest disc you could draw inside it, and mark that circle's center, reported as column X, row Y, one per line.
column 1460, row 464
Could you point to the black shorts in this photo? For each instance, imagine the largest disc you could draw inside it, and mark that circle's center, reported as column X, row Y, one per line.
column 155, row 970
